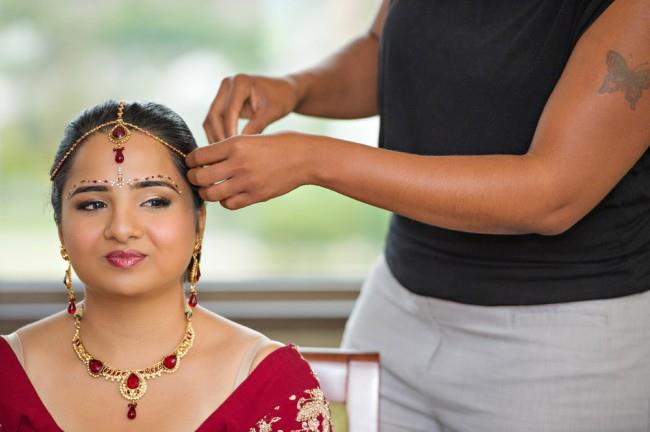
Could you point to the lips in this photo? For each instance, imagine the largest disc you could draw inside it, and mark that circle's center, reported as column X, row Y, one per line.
column 124, row 259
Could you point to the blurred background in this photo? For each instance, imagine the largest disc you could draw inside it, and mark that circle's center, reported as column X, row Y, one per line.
column 291, row 267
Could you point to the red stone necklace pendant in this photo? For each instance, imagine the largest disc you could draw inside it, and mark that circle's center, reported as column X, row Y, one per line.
column 170, row 362
column 133, row 387
column 95, row 367
column 72, row 307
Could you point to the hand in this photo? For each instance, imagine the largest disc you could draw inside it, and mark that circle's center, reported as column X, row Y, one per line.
column 261, row 99
column 246, row 169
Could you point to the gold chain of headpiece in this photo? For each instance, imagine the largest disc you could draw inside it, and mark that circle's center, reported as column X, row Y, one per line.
column 114, row 374
column 103, row 125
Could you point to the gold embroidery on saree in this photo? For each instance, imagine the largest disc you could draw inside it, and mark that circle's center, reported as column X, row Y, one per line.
column 313, row 414
column 310, row 409
column 264, row 426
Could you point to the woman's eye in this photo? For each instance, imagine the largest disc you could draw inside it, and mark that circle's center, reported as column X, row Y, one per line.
column 90, row 205
column 156, row 203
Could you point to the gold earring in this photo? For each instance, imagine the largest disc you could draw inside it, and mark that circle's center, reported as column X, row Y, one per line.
column 195, row 274
column 67, row 281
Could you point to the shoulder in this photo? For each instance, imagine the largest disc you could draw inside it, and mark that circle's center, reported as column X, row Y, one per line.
column 266, row 348
column 284, row 372
column 40, row 343
column 33, row 343
column 45, row 336
column 247, row 347
column 222, row 332
column 292, row 394
column 278, row 390
column 46, row 327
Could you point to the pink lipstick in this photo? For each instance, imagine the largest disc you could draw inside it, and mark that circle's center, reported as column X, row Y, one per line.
column 124, row 259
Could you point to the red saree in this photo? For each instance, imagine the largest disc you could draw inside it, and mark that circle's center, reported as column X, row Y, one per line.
column 281, row 394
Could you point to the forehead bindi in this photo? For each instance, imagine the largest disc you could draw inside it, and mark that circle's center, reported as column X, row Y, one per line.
column 105, row 185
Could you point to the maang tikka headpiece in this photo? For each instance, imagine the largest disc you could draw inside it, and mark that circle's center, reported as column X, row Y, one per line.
column 118, row 135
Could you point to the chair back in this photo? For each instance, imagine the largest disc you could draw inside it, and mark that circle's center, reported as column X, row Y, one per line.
column 350, row 378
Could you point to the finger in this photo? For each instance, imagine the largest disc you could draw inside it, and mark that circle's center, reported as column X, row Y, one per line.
column 208, row 155
column 210, row 174
column 237, row 202
column 247, row 110
column 250, row 105
column 239, row 93
column 212, row 129
column 214, row 121
column 213, row 124
column 221, row 191
column 257, row 124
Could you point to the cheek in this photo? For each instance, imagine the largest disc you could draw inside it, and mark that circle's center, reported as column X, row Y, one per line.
column 80, row 235
column 173, row 234
column 171, row 231
column 82, row 238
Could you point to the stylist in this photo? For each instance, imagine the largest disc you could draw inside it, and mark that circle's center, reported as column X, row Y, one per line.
column 513, row 293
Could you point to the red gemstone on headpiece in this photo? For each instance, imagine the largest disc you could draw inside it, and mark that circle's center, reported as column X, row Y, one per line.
column 131, row 413
column 132, row 381
column 192, row 301
column 119, row 156
column 72, row 307
column 95, row 366
column 118, row 132
column 170, row 361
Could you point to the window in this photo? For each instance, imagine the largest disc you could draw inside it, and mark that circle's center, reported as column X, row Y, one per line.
column 56, row 61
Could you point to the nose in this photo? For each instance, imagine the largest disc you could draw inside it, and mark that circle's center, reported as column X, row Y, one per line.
column 123, row 224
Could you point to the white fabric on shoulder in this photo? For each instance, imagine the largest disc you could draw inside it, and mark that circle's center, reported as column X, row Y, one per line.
column 16, row 345
column 247, row 361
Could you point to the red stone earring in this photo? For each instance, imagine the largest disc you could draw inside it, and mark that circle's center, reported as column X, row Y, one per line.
column 195, row 274
column 67, row 281
column 119, row 135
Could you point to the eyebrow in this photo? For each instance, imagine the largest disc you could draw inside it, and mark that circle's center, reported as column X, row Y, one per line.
column 98, row 186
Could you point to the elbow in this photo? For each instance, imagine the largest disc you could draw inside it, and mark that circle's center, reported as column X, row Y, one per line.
column 552, row 227
column 554, row 205
column 555, row 221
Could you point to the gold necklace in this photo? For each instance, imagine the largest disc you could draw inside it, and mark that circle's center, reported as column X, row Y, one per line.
column 133, row 383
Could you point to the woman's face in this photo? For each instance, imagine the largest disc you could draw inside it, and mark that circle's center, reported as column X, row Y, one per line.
column 129, row 228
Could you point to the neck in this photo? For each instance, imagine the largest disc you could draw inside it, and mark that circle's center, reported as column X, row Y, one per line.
column 130, row 333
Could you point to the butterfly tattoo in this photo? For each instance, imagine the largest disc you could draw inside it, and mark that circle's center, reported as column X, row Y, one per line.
column 621, row 78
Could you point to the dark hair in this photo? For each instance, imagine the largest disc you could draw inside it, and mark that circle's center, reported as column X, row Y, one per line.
column 152, row 117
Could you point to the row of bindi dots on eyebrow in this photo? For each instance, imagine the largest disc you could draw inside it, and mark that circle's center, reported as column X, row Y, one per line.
column 121, row 182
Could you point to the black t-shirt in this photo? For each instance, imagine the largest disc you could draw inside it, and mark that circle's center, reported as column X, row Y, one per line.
column 468, row 77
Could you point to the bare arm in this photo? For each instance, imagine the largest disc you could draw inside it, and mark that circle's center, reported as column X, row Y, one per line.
column 586, row 140
column 345, row 85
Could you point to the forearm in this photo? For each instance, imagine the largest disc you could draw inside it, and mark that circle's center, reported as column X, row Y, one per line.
column 491, row 194
column 343, row 86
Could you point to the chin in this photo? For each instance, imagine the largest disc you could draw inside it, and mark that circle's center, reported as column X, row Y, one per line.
column 122, row 290
column 128, row 285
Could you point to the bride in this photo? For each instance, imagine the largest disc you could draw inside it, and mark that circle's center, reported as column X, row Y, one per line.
column 136, row 353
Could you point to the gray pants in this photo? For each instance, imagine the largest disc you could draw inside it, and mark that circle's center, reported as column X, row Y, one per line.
column 578, row 367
